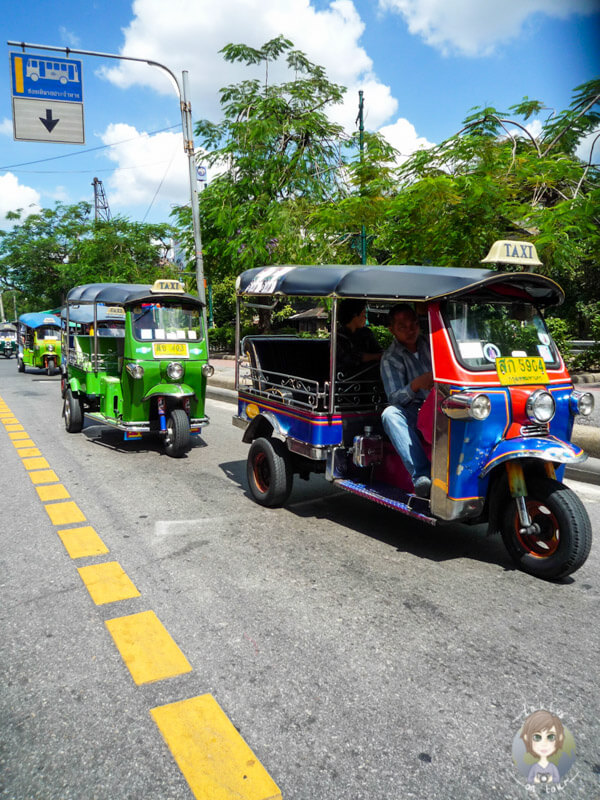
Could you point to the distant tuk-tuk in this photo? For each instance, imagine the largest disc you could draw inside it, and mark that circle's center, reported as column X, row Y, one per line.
column 136, row 358
column 8, row 339
column 498, row 420
column 39, row 342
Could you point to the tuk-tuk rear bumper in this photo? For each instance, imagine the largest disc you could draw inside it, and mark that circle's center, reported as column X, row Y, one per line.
column 546, row 449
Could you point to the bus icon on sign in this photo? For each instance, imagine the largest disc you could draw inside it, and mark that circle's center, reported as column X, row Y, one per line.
column 61, row 71
column 42, row 78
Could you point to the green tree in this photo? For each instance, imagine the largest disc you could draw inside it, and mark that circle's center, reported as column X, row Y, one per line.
column 488, row 183
column 44, row 255
column 277, row 155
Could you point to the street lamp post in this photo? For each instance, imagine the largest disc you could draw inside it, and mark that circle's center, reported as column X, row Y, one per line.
column 188, row 139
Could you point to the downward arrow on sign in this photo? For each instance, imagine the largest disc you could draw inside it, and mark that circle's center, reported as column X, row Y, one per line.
column 48, row 122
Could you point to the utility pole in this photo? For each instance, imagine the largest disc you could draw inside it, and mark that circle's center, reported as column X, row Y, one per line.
column 188, row 139
column 101, row 209
column 361, row 132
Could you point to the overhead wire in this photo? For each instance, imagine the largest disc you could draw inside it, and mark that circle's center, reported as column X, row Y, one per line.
column 87, row 149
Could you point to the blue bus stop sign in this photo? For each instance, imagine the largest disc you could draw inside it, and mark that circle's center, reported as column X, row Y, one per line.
column 46, row 78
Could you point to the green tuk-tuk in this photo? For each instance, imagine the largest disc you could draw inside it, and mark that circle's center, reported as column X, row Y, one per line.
column 8, row 339
column 136, row 358
column 39, row 342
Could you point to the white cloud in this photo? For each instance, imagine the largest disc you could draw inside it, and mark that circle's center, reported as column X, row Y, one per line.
column 403, row 136
column 14, row 195
column 147, row 166
column 182, row 35
column 6, row 127
column 476, row 27
column 584, row 148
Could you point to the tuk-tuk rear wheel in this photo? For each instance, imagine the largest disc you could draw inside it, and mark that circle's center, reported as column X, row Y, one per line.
column 20, row 365
column 177, row 439
column 72, row 413
column 563, row 536
column 269, row 472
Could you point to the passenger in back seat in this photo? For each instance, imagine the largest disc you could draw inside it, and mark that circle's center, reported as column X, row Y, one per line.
column 357, row 347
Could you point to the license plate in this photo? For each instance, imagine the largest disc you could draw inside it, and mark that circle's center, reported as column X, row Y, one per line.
column 170, row 350
column 523, row 369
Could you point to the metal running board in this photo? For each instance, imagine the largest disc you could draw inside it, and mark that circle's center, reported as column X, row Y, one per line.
column 391, row 497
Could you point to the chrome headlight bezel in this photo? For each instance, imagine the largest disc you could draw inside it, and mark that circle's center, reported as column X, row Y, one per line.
column 175, row 370
column 540, row 406
column 208, row 370
column 135, row 370
column 582, row 403
column 467, row 405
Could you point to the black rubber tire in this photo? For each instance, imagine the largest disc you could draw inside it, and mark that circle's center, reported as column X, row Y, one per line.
column 20, row 365
column 73, row 413
column 7, row 355
column 269, row 471
column 51, row 366
column 177, row 439
column 566, row 532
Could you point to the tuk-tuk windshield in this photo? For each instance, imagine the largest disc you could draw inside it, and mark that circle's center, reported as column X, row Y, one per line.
column 166, row 322
column 485, row 331
column 47, row 332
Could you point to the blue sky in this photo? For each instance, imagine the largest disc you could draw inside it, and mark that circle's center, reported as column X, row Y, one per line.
column 422, row 64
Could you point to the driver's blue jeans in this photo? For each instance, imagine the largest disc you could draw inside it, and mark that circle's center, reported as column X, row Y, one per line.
column 400, row 424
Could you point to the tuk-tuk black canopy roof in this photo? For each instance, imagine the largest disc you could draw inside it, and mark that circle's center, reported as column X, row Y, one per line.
column 393, row 282
column 125, row 294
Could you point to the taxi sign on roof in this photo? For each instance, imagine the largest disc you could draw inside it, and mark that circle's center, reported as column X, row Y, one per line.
column 506, row 251
column 167, row 287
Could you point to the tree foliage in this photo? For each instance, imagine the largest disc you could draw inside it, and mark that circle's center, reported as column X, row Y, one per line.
column 44, row 255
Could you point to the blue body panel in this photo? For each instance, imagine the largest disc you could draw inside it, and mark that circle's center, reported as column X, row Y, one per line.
column 318, row 429
column 475, row 446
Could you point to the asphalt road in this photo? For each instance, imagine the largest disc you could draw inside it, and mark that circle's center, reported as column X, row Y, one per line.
column 359, row 654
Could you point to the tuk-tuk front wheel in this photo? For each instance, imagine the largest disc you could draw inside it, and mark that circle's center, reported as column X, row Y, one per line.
column 20, row 365
column 177, row 438
column 51, row 366
column 269, row 471
column 72, row 413
column 562, row 533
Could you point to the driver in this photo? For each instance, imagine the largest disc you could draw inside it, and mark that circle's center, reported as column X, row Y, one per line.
column 407, row 378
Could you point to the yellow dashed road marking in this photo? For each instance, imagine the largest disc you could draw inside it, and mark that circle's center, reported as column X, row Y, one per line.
column 80, row 542
column 107, row 583
column 26, row 452
column 214, row 759
column 146, row 647
column 64, row 513
column 44, row 476
column 35, row 463
column 55, row 491
column 18, row 435
column 15, row 427
column 23, row 443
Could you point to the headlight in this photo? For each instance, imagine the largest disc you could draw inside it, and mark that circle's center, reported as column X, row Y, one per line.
column 540, row 406
column 135, row 370
column 467, row 405
column 50, row 348
column 208, row 370
column 582, row 403
column 175, row 371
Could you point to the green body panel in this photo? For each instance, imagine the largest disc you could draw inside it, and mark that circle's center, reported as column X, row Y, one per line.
column 38, row 355
column 120, row 395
